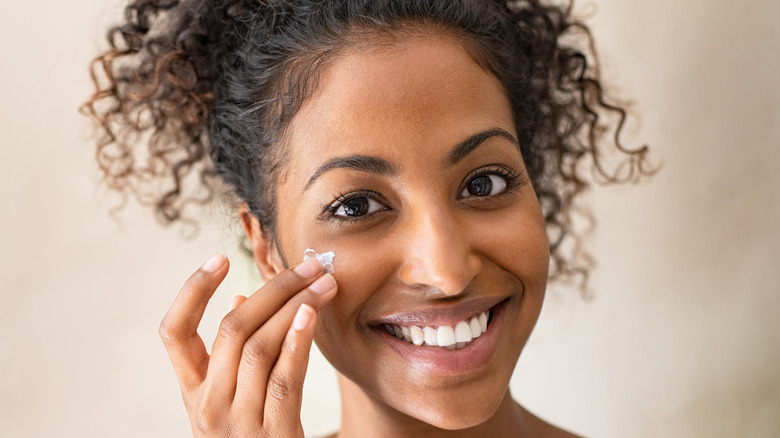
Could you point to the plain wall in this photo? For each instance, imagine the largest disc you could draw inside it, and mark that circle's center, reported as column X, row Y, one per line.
column 681, row 340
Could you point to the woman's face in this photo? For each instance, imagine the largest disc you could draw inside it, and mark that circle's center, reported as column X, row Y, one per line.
column 404, row 163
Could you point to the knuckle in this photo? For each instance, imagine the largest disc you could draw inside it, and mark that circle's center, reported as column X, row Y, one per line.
column 169, row 332
column 256, row 351
column 207, row 422
column 282, row 387
column 232, row 327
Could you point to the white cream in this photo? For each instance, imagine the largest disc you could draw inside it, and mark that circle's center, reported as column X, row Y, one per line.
column 447, row 336
column 325, row 259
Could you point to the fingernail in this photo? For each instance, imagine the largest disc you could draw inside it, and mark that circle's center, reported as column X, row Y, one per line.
column 302, row 317
column 308, row 269
column 214, row 263
column 238, row 299
column 323, row 284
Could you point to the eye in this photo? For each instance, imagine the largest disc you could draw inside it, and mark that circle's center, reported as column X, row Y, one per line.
column 484, row 185
column 356, row 207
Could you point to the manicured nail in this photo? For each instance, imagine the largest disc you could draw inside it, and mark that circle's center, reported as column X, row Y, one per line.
column 238, row 299
column 308, row 269
column 302, row 317
column 214, row 263
column 323, row 284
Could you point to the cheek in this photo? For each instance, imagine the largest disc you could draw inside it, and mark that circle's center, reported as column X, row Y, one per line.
column 518, row 242
column 360, row 269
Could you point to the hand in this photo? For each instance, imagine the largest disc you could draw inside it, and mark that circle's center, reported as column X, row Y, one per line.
column 251, row 384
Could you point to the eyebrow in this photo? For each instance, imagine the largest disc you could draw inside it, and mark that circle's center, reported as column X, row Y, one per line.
column 380, row 166
column 363, row 163
column 462, row 149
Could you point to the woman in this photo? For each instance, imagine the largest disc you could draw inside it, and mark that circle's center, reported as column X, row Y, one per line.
column 432, row 146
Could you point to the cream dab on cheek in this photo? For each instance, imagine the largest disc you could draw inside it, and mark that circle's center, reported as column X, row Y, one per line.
column 325, row 259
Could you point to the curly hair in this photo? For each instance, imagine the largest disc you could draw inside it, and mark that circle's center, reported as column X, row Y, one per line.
column 194, row 96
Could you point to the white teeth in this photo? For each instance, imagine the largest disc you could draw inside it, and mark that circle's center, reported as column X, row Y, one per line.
column 446, row 336
column 407, row 334
column 462, row 332
column 418, row 336
column 476, row 329
column 430, row 336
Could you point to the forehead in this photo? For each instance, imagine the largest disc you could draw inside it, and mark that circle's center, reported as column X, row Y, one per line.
column 405, row 102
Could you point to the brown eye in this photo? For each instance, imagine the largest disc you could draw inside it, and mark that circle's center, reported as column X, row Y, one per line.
column 355, row 207
column 484, row 185
column 358, row 206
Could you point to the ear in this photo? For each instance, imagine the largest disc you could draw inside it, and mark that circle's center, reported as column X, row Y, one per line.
column 265, row 257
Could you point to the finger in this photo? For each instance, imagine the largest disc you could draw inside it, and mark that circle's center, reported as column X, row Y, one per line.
column 262, row 350
column 237, row 300
column 238, row 325
column 285, row 384
column 179, row 327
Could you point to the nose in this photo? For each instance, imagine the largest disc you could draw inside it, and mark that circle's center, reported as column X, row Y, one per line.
column 438, row 253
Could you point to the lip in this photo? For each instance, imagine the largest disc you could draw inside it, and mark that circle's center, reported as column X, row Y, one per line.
column 438, row 316
column 443, row 362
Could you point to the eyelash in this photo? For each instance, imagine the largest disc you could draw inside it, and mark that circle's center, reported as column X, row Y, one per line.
column 514, row 181
column 329, row 210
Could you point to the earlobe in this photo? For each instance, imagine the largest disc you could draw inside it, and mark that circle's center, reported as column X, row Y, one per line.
column 260, row 243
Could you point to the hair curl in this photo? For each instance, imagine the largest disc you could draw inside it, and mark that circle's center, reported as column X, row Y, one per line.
column 194, row 95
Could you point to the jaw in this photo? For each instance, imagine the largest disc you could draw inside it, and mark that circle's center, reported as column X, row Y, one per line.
column 370, row 416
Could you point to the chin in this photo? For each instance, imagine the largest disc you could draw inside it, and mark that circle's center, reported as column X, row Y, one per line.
column 456, row 416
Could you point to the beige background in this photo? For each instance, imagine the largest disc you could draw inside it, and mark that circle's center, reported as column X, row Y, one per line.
column 683, row 339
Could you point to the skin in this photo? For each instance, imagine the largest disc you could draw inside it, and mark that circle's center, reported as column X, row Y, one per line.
column 425, row 243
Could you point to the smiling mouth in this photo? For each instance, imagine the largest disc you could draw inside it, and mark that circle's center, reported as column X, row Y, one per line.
column 446, row 341
column 450, row 337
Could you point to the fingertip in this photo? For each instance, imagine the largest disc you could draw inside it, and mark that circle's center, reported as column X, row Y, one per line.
column 301, row 330
column 303, row 317
column 324, row 284
column 308, row 269
column 215, row 263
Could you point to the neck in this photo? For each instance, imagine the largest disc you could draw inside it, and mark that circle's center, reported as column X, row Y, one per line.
column 365, row 415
